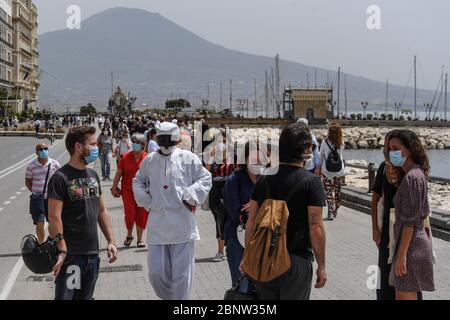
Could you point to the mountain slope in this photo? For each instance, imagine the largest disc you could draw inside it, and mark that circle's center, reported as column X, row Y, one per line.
column 153, row 57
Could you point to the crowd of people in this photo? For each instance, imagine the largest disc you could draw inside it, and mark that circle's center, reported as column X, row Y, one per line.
column 163, row 183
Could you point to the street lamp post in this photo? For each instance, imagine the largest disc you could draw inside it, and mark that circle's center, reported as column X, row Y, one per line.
column 364, row 105
column 428, row 107
column 332, row 104
column 397, row 105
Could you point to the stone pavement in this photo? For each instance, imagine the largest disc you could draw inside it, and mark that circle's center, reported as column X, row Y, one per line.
column 350, row 251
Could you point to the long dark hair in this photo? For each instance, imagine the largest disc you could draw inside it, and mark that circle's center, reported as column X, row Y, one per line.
column 412, row 142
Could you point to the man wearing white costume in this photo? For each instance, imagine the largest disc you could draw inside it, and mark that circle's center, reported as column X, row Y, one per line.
column 171, row 183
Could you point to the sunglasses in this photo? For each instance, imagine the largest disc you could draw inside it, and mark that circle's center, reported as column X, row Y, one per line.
column 42, row 149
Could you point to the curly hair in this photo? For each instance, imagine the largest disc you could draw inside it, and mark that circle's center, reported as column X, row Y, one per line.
column 412, row 142
column 335, row 135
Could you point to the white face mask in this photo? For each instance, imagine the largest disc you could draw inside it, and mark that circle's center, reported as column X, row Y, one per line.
column 255, row 169
column 309, row 164
column 167, row 151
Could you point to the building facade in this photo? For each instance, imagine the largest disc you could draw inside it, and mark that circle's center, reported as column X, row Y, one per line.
column 312, row 104
column 6, row 46
column 25, row 54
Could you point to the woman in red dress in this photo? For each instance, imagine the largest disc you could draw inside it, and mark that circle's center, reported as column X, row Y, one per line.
column 128, row 167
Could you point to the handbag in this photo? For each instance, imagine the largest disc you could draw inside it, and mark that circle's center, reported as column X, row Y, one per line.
column 235, row 294
column 37, row 201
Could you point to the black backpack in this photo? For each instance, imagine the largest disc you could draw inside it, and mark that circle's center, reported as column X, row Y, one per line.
column 334, row 161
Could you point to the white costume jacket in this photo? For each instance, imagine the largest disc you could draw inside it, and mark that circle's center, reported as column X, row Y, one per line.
column 161, row 185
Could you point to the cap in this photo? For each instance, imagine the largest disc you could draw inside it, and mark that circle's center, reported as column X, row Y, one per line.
column 168, row 129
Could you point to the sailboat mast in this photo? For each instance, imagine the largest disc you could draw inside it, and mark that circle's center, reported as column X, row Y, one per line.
column 339, row 91
column 315, row 79
column 445, row 97
column 387, row 97
column 345, row 92
column 221, row 94
column 231, row 97
column 256, row 99
column 415, row 87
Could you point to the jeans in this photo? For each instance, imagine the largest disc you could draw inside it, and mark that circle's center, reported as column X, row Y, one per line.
column 105, row 164
column 235, row 253
column 298, row 286
column 77, row 277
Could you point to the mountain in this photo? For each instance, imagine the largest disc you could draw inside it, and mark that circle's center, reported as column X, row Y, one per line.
column 154, row 58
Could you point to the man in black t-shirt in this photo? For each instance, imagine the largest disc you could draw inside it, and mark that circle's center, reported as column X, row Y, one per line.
column 305, row 229
column 76, row 208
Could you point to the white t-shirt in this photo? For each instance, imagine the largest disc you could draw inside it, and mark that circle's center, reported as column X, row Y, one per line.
column 324, row 152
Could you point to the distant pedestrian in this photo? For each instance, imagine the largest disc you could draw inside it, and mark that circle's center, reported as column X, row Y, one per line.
column 170, row 184
column 126, row 171
column 76, row 211
column 313, row 163
column 412, row 268
column 106, row 145
column 332, row 168
column 5, row 123
column 185, row 137
column 37, row 126
column 37, row 176
column 304, row 195
column 123, row 147
column 219, row 163
column 152, row 145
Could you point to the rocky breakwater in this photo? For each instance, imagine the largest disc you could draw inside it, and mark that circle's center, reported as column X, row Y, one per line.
column 354, row 138
column 373, row 138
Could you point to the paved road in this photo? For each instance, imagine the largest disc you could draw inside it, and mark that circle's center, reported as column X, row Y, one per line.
column 15, row 221
column 350, row 252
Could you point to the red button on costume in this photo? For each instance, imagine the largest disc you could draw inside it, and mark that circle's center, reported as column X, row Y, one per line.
column 133, row 214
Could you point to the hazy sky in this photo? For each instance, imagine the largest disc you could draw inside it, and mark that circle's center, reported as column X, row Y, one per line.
column 322, row 33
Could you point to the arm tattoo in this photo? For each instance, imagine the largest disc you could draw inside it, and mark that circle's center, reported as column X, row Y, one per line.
column 313, row 221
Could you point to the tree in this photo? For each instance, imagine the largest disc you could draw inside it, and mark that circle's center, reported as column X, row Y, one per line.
column 178, row 104
column 88, row 110
column 3, row 94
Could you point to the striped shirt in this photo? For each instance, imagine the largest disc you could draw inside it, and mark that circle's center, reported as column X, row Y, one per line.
column 37, row 172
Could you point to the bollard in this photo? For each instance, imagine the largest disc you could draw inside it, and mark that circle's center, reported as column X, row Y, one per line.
column 372, row 170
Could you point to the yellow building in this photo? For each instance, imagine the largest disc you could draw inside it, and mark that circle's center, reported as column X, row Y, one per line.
column 25, row 54
column 312, row 104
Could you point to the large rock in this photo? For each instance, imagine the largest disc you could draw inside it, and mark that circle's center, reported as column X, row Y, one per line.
column 363, row 144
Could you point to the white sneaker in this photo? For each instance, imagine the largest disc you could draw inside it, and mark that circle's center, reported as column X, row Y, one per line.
column 219, row 257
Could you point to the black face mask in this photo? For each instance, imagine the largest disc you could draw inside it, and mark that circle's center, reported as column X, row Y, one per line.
column 165, row 141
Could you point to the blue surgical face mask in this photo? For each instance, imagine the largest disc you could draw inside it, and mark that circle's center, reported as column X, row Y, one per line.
column 396, row 158
column 43, row 154
column 137, row 147
column 93, row 154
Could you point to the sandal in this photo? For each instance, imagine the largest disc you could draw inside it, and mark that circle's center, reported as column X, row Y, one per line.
column 140, row 244
column 128, row 241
